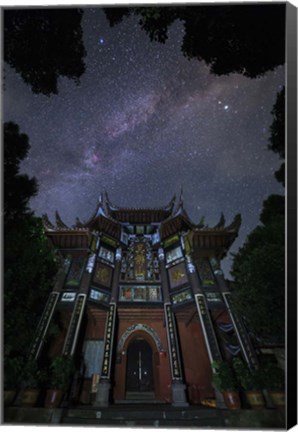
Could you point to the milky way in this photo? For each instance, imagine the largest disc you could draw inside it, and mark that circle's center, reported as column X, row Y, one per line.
column 143, row 122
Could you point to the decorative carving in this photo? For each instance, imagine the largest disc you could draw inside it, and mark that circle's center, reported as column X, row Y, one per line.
column 189, row 264
column 139, row 262
column 90, row 263
column 144, row 327
column 177, row 275
column 118, row 254
column 161, row 254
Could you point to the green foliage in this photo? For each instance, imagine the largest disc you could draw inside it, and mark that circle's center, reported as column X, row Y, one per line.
column 61, row 370
column 274, row 377
column 30, row 266
column 249, row 379
column 29, row 262
column 32, row 376
column 246, row 39
column 12, row 371
column 273, row 209
column 44, row 44
column 223, row 377
column 259, row 272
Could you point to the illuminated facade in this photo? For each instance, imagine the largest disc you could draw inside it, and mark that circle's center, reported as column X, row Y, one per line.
column 143, row 305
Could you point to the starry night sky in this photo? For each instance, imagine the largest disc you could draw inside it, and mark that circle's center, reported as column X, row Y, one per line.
column 143, row 122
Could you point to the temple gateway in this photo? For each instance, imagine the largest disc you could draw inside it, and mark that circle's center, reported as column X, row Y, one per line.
column 143, row 305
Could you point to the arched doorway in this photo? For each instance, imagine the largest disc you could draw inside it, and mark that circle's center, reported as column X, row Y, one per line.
column 139, row 368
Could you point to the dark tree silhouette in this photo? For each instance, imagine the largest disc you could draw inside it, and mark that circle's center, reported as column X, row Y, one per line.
column 18, row 188
column 246, row 39
column 29, row 262
column 259, row 266
column 277, row 137
column 259, row 272
column 43, row 44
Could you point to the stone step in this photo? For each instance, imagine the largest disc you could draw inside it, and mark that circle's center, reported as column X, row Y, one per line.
column 140, row 396
column 146, row 415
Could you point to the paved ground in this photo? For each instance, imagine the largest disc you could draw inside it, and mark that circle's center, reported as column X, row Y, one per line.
column 127, row 415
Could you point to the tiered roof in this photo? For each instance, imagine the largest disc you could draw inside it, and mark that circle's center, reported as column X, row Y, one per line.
column 109, row 218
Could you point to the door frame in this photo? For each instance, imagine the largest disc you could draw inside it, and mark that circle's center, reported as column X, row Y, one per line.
column 155, row 353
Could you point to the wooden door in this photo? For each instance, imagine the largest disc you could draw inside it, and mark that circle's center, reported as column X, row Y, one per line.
column 139, row 371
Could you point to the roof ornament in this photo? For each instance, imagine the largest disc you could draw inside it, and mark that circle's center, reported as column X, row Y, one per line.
column 221, row 222
column 59, row 222
column 201, row 224
column 78, row 224
column 100, row 199
column 171, row 204
column 235, row 225
column 181, row 197
column 108, row 203
column 46, row 222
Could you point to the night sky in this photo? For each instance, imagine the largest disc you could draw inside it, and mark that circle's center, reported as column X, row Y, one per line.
column 143, row 122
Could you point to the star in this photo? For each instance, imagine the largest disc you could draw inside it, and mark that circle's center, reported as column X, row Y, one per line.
column 142, row 121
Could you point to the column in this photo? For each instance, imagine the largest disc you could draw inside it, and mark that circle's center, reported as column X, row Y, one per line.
column 246, row 346
column 48, row 312
column 104, row 386
column 206, row 323
column 74, row 326
column 79, row 307
column 241, row 333
column 178, row 386
column 43, row 325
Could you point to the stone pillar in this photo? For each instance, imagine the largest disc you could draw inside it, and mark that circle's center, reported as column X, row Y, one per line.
column 178, row 386
column 210, row 339
column 205, row 320
column 43, row 325
column 115, row 283
column 74, row 325
column 104, row 386
column 241, row 333
column 49, row 310
column 193, row 276
column 244, row 341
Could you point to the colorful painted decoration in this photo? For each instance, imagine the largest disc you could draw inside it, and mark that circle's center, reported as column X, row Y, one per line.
column 213, row 297
column 169, row 241
column 140, row 262
column 106, row 254
column 205, row 272
column 68, row 297
column 140, row 293
column 103, row 275
column 75, row 273
column 182, row 297
column 99, row 296
column 173, row 255
column 177, row 275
